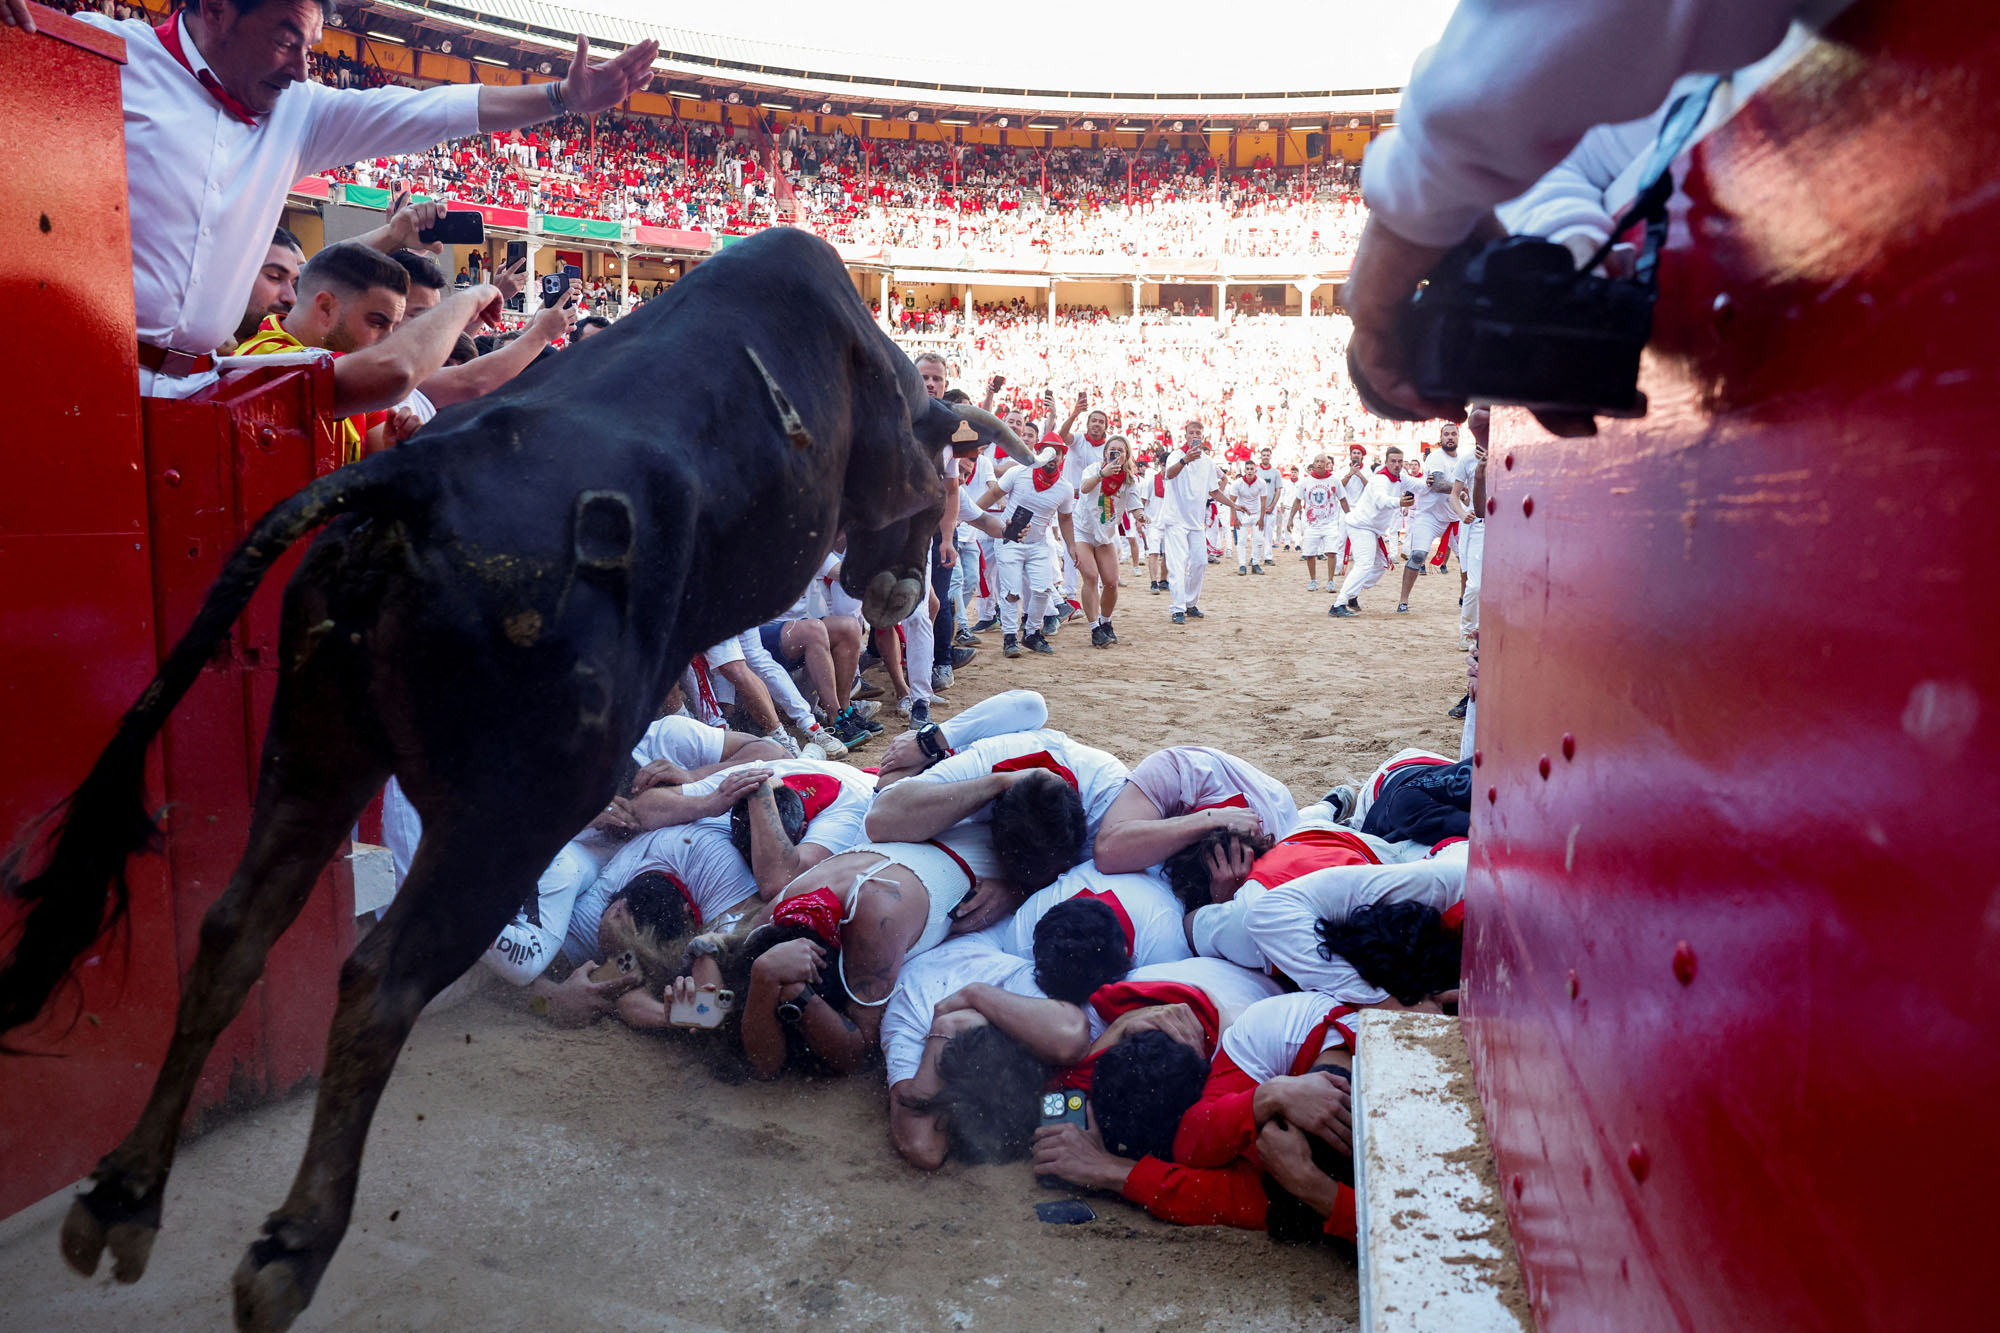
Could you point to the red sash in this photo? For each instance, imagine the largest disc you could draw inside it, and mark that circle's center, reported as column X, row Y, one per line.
column 1444, row 543
column 703, row 689
column 1236, row 802
column 1315, row 1041
column 1121, row 997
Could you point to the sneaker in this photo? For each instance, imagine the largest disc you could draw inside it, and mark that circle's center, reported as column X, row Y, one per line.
column 1241, row 571
column 965, row 638
column 920, row 714
column 865, row 709
column 1050, row 624
column 1402, row 608
column 1458, row 709
column 962, row 657
column 1312, row 585
column 1097, row 639
column 1339, row 611
column 941, row 678
column 1010, row 646
column 1196, row 613
column 1179, row 617
column 1110, row 634
column 1256, row 568
column 783, row 738
column 1066, row 610
column 848, row 730
column 987, row 625
column 868, row 722
column 868, row 689
column 1038, row 643
column 906, row 704
column 1354, row 603
column 829, row 745
column 1341, row 799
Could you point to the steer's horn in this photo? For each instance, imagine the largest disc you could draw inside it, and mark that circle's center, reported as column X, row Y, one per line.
column 788, row 416
column 1009, row 441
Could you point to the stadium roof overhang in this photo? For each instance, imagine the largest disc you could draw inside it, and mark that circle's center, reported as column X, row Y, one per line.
column 709, row 67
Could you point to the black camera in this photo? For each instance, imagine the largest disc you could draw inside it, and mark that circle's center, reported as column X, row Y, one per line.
column 1515, row 321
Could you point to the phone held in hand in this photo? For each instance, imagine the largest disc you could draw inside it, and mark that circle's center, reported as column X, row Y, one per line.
column 705, row 1010
column 458, row 227
column 517, row 252
column 624, row 965
column 1065, row 1212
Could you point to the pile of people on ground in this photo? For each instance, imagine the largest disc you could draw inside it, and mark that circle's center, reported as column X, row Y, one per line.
column 1144, row 977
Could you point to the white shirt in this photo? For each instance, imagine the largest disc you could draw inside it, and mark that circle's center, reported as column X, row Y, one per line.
column 1099, row 776
column 1082, row 456
column 421, row 406
column 1186, row 503
column 1380, row 505
column 1435, row 504
column 207, row 190
column 1512, row 85
column 982, row 477
column 1234, row 989
column 1158, row 935
column 701, row 858
column 682, row 740
column 1249, row 493
column 934, row 974
column 1017, row 491
column 1320, row 501
column 1264, row 1042
column 1282, row 922
column 1185, row 778
column 838, row 827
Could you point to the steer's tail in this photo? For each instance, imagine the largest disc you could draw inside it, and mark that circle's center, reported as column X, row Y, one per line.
column 81, row 893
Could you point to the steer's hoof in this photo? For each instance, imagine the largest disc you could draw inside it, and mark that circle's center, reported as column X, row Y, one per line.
column 105, row 1219
column 889, row 600
column 271, row 1287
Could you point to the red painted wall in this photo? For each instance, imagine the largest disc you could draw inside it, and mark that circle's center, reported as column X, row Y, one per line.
column 1735, row 991
column 113, row 524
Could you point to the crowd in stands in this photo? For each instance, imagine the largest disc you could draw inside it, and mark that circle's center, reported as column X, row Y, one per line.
column 1140, row 204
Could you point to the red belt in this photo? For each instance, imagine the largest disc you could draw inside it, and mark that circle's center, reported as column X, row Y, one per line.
column 173, row 361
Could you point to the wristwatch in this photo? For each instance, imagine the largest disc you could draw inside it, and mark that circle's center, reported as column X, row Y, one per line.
column 930, row 739
column 794, row 1009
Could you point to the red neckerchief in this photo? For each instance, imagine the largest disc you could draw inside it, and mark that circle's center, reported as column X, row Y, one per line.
column 1160, row 484
column 1039, row 759
column 1054, row 471
column 169, row 34
column 1391, row 474
column 816, row 790
column 1110, row 900
column 1321, row 475
column 1121, row 997
column 1111, row 482
column 1309, row 850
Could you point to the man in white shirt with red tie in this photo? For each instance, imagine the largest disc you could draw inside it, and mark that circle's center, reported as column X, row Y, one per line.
column 221, row 120
column 1370, row 520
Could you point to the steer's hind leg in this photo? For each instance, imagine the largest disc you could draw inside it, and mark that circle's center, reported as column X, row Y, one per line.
column 317, row 775
column 468, row 879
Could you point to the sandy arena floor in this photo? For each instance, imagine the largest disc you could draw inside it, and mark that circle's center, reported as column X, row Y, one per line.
column 524, row 1178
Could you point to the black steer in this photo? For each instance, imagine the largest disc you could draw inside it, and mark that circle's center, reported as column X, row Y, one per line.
column 493, row 614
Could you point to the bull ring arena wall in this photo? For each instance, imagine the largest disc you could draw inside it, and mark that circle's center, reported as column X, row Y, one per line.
column 1733, row 928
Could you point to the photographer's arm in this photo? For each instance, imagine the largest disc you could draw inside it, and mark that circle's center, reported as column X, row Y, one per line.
column 381, row 376
column 483, row 374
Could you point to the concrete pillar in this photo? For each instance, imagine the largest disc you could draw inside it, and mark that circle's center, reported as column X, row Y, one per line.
column 624, row 281
column 965, row 300
column 1136, row 288
column 1221, row 299
column 1052, row 300
column 1306, row 286
column 882, row 299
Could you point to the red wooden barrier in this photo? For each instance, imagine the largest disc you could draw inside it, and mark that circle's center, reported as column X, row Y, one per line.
column 1735, row 963
column 106, row 548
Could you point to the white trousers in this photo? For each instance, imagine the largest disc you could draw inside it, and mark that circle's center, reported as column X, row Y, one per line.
column 919, row 648
column 1473, row 556
column 1027, row 576
column 1371, row 562
column 784, row 691
column 1186, row 554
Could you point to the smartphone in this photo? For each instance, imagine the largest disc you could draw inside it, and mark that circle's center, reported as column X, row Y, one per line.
column 517, row 252
column 460, row 226
column 706, row 1010
column 1062, row 1107
column 554, row 287
column 1065, row 1212
column 622, row 966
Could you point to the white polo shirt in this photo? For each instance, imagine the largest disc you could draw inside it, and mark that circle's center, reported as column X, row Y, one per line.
column 207, row 190
column 1186, row 503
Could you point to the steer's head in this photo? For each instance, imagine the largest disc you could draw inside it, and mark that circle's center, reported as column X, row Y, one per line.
column 887, row 563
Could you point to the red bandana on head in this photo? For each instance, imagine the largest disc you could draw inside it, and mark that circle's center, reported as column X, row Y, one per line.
column 1121, row 997
column 819, row 911
column 1110, row 900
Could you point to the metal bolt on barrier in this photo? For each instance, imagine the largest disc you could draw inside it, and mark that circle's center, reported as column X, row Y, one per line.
column 1492, row 795
column 1569, row 745
column 1573, row 985
column 1544, row 767
column 172, row 476
column 1684, row 962
column 1527, row 506
column 1639, row 1162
